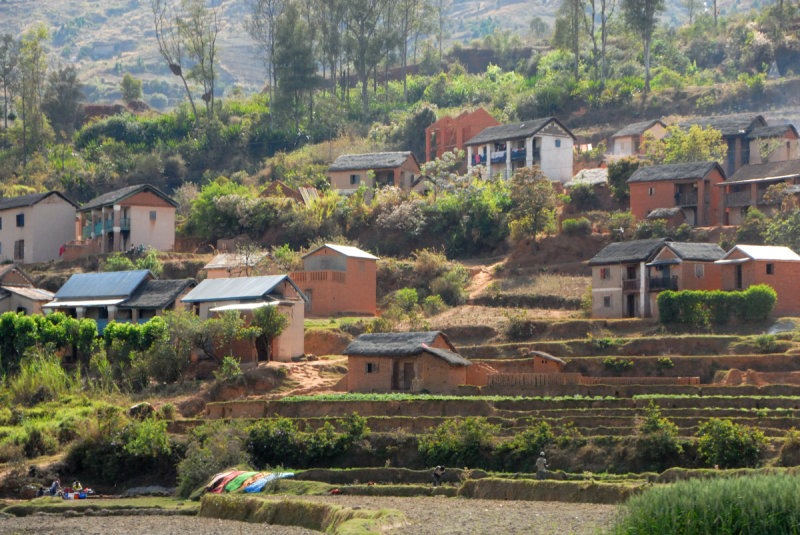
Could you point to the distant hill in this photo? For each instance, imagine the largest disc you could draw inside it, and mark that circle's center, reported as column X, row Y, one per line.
column 107, row 38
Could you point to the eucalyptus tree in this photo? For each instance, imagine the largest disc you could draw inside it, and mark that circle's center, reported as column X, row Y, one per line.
column 363, row 40
column 170, row 42
column 641, row 16
column 261, row 25
column 9, row 56
column 31, row 85
column 198, row 27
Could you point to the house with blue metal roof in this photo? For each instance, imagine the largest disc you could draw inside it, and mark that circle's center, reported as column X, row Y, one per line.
column 121, row 296
column 244, row 295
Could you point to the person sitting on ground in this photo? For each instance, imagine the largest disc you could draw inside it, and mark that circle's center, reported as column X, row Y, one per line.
column 437, row 475
column 55, row 487
column 76, row 486
column 541, row 467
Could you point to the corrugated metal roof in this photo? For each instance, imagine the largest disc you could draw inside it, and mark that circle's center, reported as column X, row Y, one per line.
column 346, row 250
column 99, row 285
column 237, row 288
column 233, row 260
column 245, row 306
column 69, row 303
column 766, row 252
column 766, row 171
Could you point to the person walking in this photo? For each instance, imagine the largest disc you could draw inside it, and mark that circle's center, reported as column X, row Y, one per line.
column 541, row 467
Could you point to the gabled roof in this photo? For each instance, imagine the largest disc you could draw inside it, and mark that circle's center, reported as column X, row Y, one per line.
column 589, row 177
column 102, row 285
column 8, row 203
column 113, row 197
column 637, row 129
column 777, row 130
column 764, row 252
column 728, row 125
column 237, row 288
column 34, row 294
column 767, row 171
column 514, row 131
column 157, row 294
column 674, row 171
column 372, row 160
column 8, row 268
column 625, row 252
column 346, row 250
column 699, row 252
column 664, row 212
column 234, row 260
column 403, row 345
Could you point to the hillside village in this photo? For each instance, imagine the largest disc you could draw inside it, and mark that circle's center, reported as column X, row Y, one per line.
column 249, row 311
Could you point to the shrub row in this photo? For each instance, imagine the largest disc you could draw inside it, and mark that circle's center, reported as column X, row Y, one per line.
column 701, row 307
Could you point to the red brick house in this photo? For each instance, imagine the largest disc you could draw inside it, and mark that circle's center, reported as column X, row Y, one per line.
column 688, row 186
column 779, row 267
column 450, row 133
column 747, row 186
column 736, row 131
column 411, row 361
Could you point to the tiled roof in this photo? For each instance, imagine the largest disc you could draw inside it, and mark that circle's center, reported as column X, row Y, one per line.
column 777, row 130
column 118, row 195
column 728, row 125
column 157, row 294
column 513, row 131
column 637, row 129
column 701, row 252
column 766, row 171
column 674, row 171
column 628, row 251
column 372, row 160
column 7, row 203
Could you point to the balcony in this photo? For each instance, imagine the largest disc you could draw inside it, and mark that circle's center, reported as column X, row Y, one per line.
column 86, row 232
column 125, row 223
column 660, row 284
column 108, row 225
column 98, row 229
column 630, row 285
column 686, row 199
column 738, row 198
column 499, row 156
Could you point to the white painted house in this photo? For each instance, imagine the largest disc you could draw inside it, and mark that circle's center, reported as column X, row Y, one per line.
column 545, row 143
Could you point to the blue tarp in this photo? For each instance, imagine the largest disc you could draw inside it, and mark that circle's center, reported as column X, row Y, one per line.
column 259, row 484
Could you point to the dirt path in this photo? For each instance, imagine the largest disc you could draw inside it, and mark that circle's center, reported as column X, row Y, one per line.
column 310, row 377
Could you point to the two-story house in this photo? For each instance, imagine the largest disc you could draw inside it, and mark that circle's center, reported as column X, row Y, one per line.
column 546, row 143
column 449, row 134
column 688, row 186
column 244, row 295
column 748, row 185
column 138, row 215
column 338, row 280
column 736, row 131
column 779, row 267
column 628, row 141
column 777, row 142
column 375, row 170
column 619, row 278
column 35, row 227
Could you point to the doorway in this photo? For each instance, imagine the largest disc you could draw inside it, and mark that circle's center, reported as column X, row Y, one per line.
column 630, row 306
column 738, row 276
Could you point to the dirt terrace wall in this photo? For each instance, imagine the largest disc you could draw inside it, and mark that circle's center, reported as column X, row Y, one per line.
column 561, row 491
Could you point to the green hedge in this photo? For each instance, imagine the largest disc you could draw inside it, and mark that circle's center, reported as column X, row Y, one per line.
column 701, row 307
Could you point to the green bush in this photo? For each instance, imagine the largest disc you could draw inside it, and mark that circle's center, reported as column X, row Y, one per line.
column 212, row 448
column 664, row 363
column 766, row 343
column 617, row 365
column 657, row 442
column 518, row 326
column 725, row 444
column 700, row 307
column 520, row 453
column 576, row 227
column 406, row 299
column 583, row 197
column 433, row 305
column 229, row 370
column 459, row 442
column 751, row 505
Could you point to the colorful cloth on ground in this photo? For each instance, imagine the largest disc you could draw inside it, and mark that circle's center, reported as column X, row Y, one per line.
column 224, row 481
column 216, row 479
column 259, row 484
column 253, row 479
column 236, row 482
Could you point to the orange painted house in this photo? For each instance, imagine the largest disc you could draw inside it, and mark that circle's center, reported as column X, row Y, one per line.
column 688, row 186
column 779, row 267
column 338, row 280
column 449, row 133
column 410, row 361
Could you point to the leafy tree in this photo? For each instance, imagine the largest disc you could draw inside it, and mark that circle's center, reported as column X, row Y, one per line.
column 784, row 230
column 150, row 261
column 294, row 63
column 641, row 16
column 570, row 20
column 61, row 103
column 753, row 228
column 539, row 28
column 32, row 72
column 131, row 88
column 658, row 439
column 619, row 171
column 725, row 444
column 270, row 323
column 363, row 39
column 118, row 262
column 781, row 195
column 261, row 25
column 698, row 144
column 533, row 203
column 9, row 56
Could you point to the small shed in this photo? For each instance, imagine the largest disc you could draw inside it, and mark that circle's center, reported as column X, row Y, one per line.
column 413, row 362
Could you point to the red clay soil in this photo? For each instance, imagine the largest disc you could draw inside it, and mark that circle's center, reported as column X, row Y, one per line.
column 751, row 377
column 561, row 253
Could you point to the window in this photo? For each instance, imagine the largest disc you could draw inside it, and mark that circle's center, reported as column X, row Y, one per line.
column 1, row 248
column 372, row 367
column 19, row 250
column 152, row 215
column 607, row 301
column 22, row 309
column 605, row 273
column 699, row 270
column 20, row 220
column 1, row 223
column 770, row 269
column 651, row 191
column 361, row 266
column 558, row 143
column 355, row 179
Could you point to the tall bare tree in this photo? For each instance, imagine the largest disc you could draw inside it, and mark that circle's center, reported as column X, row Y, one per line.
column 691, row 8
column 330, row 16
column 599, row 12
column 170, row 42
column 199, row 29
column 260, row 24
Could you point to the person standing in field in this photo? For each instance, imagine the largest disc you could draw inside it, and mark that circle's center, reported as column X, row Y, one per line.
column 541, row 467
column 437, row 475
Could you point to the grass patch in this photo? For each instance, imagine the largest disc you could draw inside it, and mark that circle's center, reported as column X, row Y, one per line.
column 565, row 286
column 317, row 516
column 58, row 505
column 741, row 505
column 331, row 323
column 430, row 397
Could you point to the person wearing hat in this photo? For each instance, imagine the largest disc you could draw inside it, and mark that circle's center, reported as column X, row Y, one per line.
column 541, row 467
